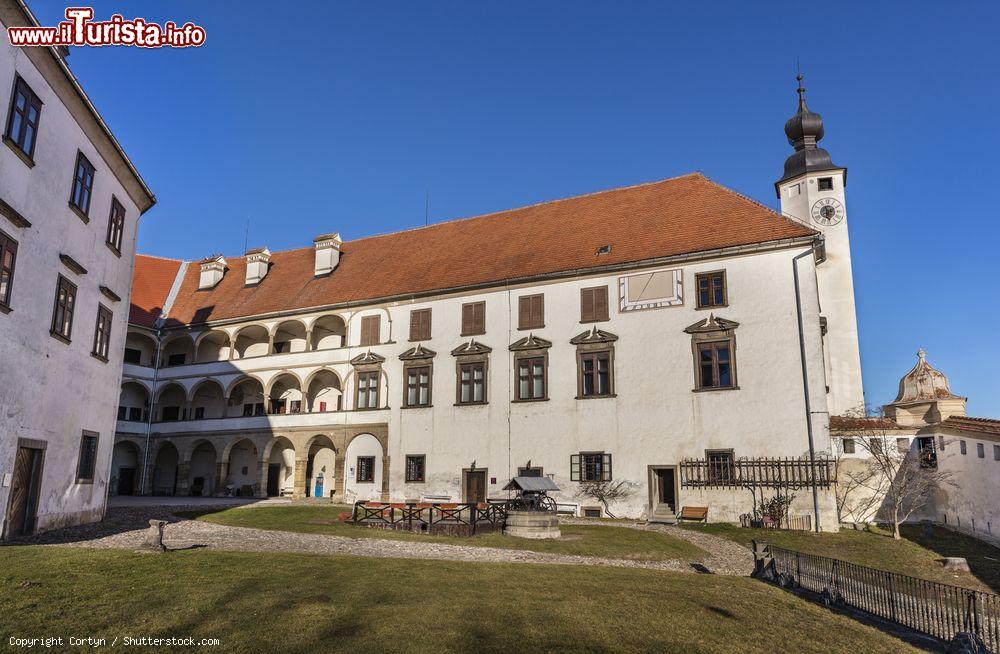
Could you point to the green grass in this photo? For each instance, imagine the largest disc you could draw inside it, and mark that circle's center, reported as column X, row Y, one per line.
column 301, row 603
column 913, row 555
column 584, row 540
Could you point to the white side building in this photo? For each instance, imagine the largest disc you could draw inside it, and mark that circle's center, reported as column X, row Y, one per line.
column 662, row 335
column 70, row 201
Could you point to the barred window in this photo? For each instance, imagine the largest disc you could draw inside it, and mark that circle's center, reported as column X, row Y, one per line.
column 415, row 464
column 366, row 469
column 720, row 465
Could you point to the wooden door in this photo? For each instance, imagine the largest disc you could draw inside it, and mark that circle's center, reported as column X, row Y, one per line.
column 475, row 486
column 24, row 491
column 126, row 481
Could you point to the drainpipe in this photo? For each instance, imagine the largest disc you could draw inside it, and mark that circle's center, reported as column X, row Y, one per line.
column 149, row 416
column 805, row 383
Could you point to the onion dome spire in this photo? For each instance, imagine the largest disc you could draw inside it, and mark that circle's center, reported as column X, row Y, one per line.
column 804, row 130
column 923, row 383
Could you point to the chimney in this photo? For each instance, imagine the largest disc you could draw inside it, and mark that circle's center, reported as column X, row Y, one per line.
column 212, row 270
column 327, row 253
column 257, row 262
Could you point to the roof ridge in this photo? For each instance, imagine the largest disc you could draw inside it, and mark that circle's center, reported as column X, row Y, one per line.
column 153, row 256
column 760, row 204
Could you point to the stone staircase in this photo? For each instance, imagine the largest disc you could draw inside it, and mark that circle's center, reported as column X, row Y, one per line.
column 664, row 515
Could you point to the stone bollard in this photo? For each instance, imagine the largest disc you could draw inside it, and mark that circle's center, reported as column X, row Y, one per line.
column 956, row 563
column 154, row 536
column 966, row 642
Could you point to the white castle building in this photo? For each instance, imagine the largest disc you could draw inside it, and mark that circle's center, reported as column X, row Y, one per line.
column 659, row 334
column 70, row 202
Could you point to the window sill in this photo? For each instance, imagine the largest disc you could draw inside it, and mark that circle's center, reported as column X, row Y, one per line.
column 530, row 400
column 415, row 481
column 99, row 357
column 464, row 334
column 711, row 307
column 114, row 250
column 21, row 154
column 364, row 482
column 417, row 406
column 484, row 403
column 711, row 390
column 59, row 337
column 85, row 481
column 597, row 397
column 530, row 328
column 4, row 308
column 591, row 322
column 79, row 212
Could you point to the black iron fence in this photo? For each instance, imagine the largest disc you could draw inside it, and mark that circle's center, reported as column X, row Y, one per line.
column 936, row 609
column 761, row 472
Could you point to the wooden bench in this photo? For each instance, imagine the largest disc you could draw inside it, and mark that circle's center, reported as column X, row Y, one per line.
column 696, row 513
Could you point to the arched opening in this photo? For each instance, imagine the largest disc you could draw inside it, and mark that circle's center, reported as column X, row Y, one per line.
column 140, row 349
column 213, row 346
column 290, row 336
column 328, row 332
column 321, row 467
column 170, row 403
column 133, row 402
column 208, row 400
column 165, row 470
column 281, row 468
column 124, row 469
column 246, row 398
column 242, row 473
column 177, row 352
column 363, row 462
column 252, row 341
column 285, row 395
column 201, row 473
column 324, row 392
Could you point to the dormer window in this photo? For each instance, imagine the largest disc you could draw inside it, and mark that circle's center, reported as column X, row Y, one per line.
column 826, row 183
column 258, row 262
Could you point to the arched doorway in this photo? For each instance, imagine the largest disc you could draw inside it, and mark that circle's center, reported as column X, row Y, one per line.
column 165, row 470
column 201, row 473
column 280, row 468
column 124, row 469
column 241, row 468
column 363, row 467
column 321, row 467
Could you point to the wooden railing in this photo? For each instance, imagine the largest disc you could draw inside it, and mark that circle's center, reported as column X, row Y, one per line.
column 761, row 472
column 936, row 609
column 421, row 516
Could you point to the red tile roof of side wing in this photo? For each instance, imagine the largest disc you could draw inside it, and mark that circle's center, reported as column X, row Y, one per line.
column 152, row 279
column 966, row 423
column 671, row 217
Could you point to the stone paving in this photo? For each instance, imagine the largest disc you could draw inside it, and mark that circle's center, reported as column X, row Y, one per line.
column 124, row 527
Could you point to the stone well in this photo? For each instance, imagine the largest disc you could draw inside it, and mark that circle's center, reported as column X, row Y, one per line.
column 532, row 524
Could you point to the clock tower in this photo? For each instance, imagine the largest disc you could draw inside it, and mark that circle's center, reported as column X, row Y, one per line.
column 812, row 192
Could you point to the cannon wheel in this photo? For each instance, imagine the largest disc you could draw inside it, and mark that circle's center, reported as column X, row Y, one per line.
column 547, row 504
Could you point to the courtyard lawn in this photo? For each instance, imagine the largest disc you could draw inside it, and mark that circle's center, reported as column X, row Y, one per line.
column 302, row 603
column 583, row 540
column 914, row 555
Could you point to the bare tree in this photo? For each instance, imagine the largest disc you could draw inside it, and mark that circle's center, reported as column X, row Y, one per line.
column 606, row 492
column 860, row 487
column 888, row 480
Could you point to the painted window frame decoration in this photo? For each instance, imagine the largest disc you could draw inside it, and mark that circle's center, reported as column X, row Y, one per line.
column 627, row 288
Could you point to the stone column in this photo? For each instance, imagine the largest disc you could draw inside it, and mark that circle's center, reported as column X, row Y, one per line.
column 232, row 349
column 262, row 484
column 187, row 410
column 221, row 472
column 183, row 472
column 309, row 339
column 338, row 475
column 299, row 489
column 385, row 479
column 270, row 343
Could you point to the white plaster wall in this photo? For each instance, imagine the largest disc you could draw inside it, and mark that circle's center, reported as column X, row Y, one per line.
column 243, row 456
column 973, row 503
column 49, row 390
column 363, row 445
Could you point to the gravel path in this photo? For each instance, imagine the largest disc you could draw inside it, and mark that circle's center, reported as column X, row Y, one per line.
column 123, row 528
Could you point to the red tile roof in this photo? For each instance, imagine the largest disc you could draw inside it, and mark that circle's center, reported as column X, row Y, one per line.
column 682, row 215
column 965, row 423
column 152, row 278
column 852, row 423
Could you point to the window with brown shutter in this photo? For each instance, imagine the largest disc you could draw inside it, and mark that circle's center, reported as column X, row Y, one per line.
column 370, row 330
column 594, row 304
column 420, row 324
column 531, row 311
column 473, row 318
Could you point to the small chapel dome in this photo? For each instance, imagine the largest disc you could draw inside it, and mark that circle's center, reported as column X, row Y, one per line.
column 923, row 383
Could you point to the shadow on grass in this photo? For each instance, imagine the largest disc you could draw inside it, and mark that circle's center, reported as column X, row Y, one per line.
column 983, row 559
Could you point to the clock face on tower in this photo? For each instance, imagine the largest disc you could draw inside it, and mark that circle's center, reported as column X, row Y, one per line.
column 827, row 211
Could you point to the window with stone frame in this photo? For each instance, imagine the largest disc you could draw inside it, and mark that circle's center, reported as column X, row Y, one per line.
column 590, row 466
column 420, row 325
column 848, row 446
column 365, row 469
column 87, row 463
column 711, row 289
column 65, row 306
column 367, row 390
column 713, row 343
column 416, row 468
column 595, row 363
column 417, row 381
column 531, row 362
column 83, row 185
column 471, row 373
column 22, row 120
column 530, row 471
column 720, row 465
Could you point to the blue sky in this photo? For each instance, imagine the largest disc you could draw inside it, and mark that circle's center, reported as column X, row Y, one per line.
column 340, row 116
